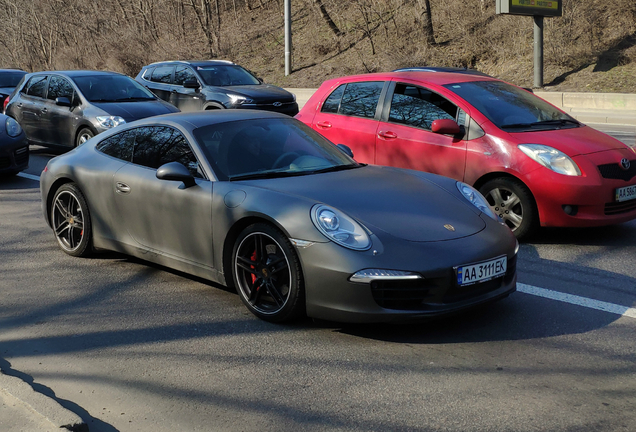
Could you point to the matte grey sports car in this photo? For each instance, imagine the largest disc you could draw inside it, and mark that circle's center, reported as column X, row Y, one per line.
column 258, row 201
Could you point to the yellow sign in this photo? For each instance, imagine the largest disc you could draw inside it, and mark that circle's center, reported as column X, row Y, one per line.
column 541, row 4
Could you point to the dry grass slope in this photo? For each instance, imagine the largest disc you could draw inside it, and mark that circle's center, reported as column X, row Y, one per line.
column 591, row 48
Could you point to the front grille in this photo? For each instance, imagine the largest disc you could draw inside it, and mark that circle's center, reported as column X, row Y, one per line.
column 421, row 293
column 615, row 172
column 5, row 162
column 615, row 208
column 22, row 156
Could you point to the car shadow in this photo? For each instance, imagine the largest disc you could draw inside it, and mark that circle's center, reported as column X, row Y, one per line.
column 15, row 182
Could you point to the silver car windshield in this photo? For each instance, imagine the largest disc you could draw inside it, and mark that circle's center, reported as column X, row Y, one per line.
column 112, row 88
column 226, row 75
column 267, row 148
column 511, row 108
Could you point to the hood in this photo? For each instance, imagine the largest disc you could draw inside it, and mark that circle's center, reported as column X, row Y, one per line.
column 402, row 203
column 262, row 93
column 131, row 111
column 572, row 142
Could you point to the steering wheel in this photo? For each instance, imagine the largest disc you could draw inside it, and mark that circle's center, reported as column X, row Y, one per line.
column 279, row 161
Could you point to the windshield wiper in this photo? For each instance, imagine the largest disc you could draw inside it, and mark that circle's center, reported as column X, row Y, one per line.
column 334, row 168
column 130, row 99
column 558, row 122
column 266, row 175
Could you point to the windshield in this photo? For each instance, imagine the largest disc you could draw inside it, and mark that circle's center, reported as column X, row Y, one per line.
column 510, row 107
column 226, row 75
column 272, row 147
column 112, row 88
column 11, row 79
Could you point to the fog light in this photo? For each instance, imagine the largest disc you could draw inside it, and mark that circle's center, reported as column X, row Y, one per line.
column 570, row 210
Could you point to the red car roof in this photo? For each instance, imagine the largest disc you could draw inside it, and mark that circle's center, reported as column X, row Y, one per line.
column 439, row 78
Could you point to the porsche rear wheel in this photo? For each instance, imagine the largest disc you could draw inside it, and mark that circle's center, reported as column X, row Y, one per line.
column 267, row 274
column 71, row 221
column 513, row 203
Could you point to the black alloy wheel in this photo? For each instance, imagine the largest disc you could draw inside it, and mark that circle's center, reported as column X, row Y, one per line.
column 267, row 275
column 71, row 221
column 513, row 202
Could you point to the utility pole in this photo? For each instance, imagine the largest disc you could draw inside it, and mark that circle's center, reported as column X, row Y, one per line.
column 538, row 51
column 288, row 38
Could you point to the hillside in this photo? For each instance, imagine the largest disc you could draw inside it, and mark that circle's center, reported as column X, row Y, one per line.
column 591, row 48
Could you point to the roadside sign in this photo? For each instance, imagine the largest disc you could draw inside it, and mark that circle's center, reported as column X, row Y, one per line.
column 530, row 7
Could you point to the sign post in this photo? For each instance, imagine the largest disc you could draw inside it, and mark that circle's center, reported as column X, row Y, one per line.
column 537, row 9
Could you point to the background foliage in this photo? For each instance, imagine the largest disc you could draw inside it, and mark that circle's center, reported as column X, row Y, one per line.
column 592, row 47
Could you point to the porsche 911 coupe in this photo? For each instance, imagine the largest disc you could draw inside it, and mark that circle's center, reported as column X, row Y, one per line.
column 260, row 202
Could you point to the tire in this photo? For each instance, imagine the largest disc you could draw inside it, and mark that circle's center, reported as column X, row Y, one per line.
column 267, row 275
column 83, row 135
column 71, row 221
column 513, row 202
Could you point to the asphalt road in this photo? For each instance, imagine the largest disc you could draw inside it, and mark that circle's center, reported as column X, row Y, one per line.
column 130, row 346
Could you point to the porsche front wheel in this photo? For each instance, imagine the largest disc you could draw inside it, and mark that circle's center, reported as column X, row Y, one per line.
column 267, row 274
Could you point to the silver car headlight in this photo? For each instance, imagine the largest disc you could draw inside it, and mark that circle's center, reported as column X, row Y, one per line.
column 551, row 158
column 110, row 121
column 476, row 199
column 239, row 100
column 340, row 228
column 12, row 127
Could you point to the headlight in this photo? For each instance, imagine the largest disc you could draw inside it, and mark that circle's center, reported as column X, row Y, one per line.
column 476, row 199
column 239, row 100
column 551, row 158
column 12, row 127
column 110, row 121
column 340, row 228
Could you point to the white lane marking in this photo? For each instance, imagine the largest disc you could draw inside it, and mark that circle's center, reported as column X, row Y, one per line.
column 29, row 176
column 577, row 300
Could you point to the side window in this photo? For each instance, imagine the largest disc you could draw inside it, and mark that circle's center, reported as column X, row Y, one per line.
column 361, row 99
column 37, row 86
column 156, row 145
column 419, row 107
column 148, row 73
column 119, row 146
column 182, row 74
column 162, row 74
column 332, row 103
column 60, row 87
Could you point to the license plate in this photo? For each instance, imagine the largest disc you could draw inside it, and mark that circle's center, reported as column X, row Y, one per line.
column 626, row 193
column 481, row 272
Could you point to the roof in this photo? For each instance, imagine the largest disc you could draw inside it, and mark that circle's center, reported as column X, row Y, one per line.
column 437, row 78
column 77, row 73
column 195, row 62
column 196, row 119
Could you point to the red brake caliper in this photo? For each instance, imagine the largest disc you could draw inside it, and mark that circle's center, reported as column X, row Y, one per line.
column 253, row 258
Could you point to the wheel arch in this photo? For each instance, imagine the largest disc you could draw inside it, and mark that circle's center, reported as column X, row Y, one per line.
column 49, row 198
column 79, row 129
column 212, row 105
column 232, row 235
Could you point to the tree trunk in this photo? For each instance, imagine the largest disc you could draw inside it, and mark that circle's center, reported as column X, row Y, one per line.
column 323, row 11
column 427, row 21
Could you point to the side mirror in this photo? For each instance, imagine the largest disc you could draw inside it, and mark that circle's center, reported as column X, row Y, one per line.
column 176, row 172
column 345, row 149
column 191, row 84
column 62, row 101
column 445, row 127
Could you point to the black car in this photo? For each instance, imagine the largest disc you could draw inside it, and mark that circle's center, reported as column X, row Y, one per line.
column 214, row 84
column 14, row 150
column 66, row 108
column 9, row 80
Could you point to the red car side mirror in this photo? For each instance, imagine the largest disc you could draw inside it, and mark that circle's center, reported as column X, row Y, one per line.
column 445, row 126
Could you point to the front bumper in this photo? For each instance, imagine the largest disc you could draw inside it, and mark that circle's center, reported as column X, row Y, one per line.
column 14, row 155
column 289, row 108
column 592, row 195
column 331, row 296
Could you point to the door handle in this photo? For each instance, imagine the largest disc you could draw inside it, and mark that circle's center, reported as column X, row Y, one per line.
column 43, row 110
column 122, row 188
column 323, row 125
column 387, row 135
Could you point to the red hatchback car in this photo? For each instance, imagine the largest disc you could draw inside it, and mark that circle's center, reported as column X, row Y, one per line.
column 535, row 164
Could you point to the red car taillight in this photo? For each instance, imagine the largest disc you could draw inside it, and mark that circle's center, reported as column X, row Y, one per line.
column 4, row 104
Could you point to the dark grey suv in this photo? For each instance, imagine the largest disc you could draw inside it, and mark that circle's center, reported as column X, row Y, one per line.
column 66, row 108
column 214, row 84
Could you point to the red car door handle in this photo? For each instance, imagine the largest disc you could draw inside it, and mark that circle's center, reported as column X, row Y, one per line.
column 323, row 125
column 387, row 135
